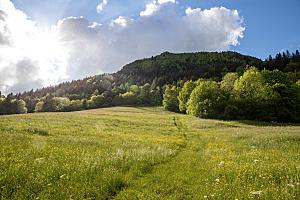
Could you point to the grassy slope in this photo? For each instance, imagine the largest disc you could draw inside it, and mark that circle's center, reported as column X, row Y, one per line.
column 145, row 153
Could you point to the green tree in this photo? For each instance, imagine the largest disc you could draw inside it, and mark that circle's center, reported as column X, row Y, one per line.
column 30, row 103
column 21, row 107
column 75, row 105
column 56, row 104
column 184, row 95
column 145, row 95
column 39, row 106
column 135, row 89
column 156, row 95
column 99, row 100
column 205, row 100
column 91, row 104
column 62, row 103
column 253, row 95
column 228, row 81
column 252, row 87
column 129, row 98
column 170, row 98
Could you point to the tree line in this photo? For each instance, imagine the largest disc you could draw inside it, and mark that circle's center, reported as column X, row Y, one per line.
column 144, row 82
column 124, row 94
column 256, row 95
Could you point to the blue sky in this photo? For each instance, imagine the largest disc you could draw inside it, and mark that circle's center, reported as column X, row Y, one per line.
column 271, row 25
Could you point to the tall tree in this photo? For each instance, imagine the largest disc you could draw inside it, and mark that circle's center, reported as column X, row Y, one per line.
column 184, row 95
column 170, row 100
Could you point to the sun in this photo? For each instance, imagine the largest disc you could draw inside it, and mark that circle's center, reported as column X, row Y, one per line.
column 50, row 53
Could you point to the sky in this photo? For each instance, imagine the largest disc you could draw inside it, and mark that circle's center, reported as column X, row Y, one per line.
column 46, row 42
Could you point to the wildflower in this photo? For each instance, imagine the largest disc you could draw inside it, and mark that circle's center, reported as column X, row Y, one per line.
column 256, row 192
column 221, row 164
column 217, row 180
column 62, row 176
column 39, row 160
column 205, row 197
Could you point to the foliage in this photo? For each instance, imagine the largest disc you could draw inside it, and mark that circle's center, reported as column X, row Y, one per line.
column 143, row 81
column 256, row 95
column 227, row 84
column 205, row 100
column 12, row 106
column 170, row 98
column 99, row 100
column 184, row 95
column 168, row 68
column 39, row 106
column 21, row 107
column 76, row 105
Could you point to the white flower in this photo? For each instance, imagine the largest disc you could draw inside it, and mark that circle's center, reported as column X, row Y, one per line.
column 256, row 192
column 62, row 176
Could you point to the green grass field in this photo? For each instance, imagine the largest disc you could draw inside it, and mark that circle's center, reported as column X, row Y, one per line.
column 145, row 153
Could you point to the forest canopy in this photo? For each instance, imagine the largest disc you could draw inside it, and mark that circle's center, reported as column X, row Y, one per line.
column 225, row 85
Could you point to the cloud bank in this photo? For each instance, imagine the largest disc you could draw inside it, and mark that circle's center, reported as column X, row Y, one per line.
column 75, row 47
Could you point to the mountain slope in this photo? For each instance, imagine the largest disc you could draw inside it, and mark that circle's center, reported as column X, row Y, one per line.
column 170, row 67
column 162, row 69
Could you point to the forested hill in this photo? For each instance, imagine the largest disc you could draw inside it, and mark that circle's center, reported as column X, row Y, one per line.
column 170, row 67
column 166, row 68
column 142, row 82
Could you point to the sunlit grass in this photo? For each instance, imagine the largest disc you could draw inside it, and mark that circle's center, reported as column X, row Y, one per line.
column 145, row 153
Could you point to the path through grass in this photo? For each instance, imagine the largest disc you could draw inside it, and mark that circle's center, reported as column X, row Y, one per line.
column 145, row 153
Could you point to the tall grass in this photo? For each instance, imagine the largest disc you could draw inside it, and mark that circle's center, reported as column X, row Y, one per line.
column 145, row 153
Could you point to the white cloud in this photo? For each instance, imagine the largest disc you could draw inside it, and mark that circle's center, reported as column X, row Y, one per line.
column 150, row 9
column 121, row 21
column 32, row 57
column 101, row 6
column 166, row 1
column 154, row 6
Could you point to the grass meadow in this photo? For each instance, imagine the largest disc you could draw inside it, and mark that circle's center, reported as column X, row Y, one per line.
column 145, row 153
